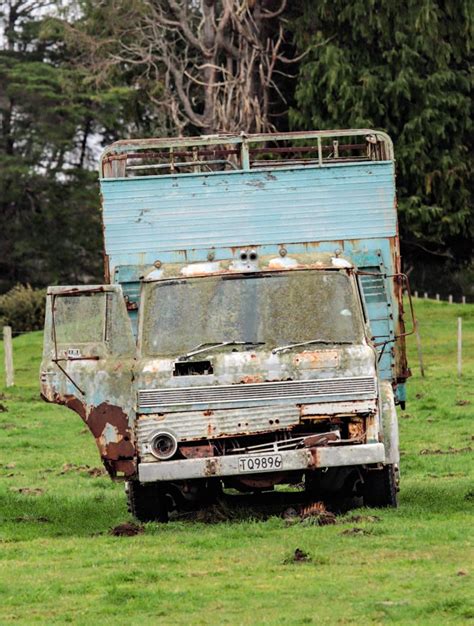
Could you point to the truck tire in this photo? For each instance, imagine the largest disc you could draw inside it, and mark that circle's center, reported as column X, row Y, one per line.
column 380, row 488
column 148, row 503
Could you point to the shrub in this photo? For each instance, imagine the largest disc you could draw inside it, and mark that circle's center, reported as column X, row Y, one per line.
column 23, row 308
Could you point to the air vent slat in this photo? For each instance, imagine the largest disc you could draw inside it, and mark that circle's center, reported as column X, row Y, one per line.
column 294, row 390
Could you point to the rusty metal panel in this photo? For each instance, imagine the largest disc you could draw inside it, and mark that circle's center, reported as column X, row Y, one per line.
column 146, row 215
column 222, row 396
column 193, row 425
column 323, row 456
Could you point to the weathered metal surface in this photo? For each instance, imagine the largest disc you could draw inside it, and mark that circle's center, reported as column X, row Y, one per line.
column 310, row 390
column 242, row 139
column 340, row 407
column 144, row 216
column 336, row 456
column 111, row 430
column 308, row 458
column 317, row 359
column 389, row 423
column 96, row 382
column 195, row 425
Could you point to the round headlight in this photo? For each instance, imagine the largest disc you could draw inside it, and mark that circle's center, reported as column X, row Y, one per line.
column 164, row 445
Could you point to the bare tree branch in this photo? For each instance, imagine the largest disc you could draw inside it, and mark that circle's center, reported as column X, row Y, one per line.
column 215, row 61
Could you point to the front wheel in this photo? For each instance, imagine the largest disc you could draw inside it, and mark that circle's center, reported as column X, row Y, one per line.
column 148, row 503
column 380, row 488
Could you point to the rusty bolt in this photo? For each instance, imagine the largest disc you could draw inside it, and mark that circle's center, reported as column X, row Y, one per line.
column 211, row 468
column 283, row 251
column 211, row 256
column 157, row 264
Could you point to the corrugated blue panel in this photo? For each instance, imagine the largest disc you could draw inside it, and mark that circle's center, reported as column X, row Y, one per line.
column 150, row 214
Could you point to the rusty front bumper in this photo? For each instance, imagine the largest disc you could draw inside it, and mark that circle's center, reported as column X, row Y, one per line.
column 307, row 458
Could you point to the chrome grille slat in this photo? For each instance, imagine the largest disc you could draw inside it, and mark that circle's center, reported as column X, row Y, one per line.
column 221, row 394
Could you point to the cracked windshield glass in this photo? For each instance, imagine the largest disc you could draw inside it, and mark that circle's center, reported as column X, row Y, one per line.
column 274, row 309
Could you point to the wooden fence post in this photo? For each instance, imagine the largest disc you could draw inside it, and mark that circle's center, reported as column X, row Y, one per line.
column 463, row 300
column 418, row 347
column 8, row 348
column 459, row 346
column 450, row 299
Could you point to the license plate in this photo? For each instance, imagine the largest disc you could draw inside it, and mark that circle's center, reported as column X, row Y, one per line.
column 260, row 463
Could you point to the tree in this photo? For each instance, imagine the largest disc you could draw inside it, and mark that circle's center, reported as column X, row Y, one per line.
column 49, row 203
column 209, row 66
column 403, row 67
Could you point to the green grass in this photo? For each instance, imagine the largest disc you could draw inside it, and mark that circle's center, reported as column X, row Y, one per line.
column 414, row 566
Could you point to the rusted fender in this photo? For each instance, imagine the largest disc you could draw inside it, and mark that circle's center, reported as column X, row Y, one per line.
column 113, row 435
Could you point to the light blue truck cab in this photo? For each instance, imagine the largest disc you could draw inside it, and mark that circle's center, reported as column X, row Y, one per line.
column 250, row 329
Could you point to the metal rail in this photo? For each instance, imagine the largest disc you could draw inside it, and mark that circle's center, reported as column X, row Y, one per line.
column 113, row 163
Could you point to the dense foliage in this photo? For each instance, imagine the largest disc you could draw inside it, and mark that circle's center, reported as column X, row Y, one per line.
column 50, row 230
column 23, row 308
column 66, row 89
column 403, row 67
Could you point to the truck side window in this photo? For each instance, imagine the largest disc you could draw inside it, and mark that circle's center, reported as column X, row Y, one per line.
column 80, row 319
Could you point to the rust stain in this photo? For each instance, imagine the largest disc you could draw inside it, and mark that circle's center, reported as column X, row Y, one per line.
column 211, row 467
column 313, row 460
column 197, row 452
column 248, row 380
column 320, row 439
column 356, row 428
column 118, row 455
column 317, row 359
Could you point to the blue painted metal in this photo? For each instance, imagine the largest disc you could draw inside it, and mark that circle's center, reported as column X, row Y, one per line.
column 145, row 216
column 182, row 218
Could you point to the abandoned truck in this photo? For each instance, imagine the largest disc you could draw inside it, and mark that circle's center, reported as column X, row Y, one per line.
column 250, row 329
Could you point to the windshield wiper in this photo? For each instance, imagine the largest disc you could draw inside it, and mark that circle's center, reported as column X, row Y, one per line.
column 307, row 343
column 205, row 347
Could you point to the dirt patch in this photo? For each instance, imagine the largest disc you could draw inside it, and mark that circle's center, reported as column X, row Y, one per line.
column 426, row 451
column 315, row 513
column 359, row 519
column 96, row 471
column 32, row 519
column 3, row 408
column 28, row 491
column 463, row 402
column 82, row 469
column 127, row 529
column 356, row 531
column 234, row 509
column 299, row 556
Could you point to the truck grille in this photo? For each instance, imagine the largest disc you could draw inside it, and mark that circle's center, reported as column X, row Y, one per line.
column 298, row 391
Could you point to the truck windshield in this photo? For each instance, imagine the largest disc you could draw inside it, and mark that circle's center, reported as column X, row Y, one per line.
column 270, row 308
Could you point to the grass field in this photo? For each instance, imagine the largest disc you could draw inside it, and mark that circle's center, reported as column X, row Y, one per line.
column 413, row 565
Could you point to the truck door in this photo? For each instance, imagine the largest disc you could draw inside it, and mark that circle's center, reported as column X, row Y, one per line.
column 88, row 357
